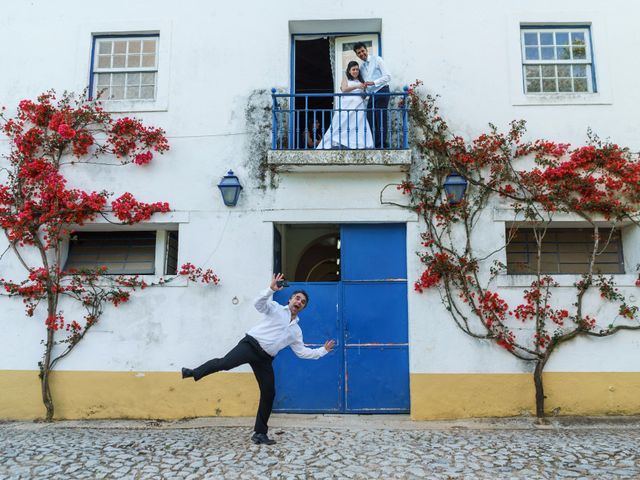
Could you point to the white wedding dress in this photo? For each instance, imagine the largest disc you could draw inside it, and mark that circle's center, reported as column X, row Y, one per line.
column 349, row 127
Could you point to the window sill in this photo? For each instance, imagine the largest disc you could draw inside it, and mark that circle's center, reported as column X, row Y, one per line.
column 565, row 280
column 174, row 281
column 153, row 281
column 135, row 106
column 541, row 99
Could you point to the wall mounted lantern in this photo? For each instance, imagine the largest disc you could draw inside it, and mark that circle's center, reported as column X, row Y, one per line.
column 230, row 189
column 455, row 186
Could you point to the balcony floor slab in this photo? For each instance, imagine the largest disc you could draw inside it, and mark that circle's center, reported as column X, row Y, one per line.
column 339, row 160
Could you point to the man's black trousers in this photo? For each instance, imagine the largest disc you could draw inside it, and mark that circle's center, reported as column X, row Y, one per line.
column 248, row 351
column 378, row 117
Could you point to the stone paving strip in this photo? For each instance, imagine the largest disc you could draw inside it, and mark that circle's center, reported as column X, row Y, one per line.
column 322, row 447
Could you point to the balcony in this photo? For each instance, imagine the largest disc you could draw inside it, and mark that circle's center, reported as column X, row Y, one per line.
column 339, row 131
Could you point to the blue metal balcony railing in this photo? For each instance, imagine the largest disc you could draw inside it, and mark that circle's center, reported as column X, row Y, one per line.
column 323, row 121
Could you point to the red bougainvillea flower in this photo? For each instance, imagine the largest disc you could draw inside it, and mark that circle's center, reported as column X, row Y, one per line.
column 128, row 210
column 197, row 274
column 66, row 131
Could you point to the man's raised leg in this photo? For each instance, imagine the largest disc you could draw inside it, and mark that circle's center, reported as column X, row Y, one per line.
column 239, row 355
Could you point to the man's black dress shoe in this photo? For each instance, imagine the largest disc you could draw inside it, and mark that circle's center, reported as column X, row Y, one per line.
column 187, row 373
column 261, row 439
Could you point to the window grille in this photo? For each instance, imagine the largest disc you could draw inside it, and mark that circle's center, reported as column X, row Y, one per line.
column 564, row 250
column 121, row 252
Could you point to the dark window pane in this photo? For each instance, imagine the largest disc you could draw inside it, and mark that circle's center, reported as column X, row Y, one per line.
column 533, row 86
column 171, row 261
column 547, row 53
column 549, row 86
column 573, row 268
column 611, row 257
column 532, row 71
column 608, row 268
column 579, row 53
column 564, row 85
column 531, row 53
column 520, row 235
column 549, row 71
column 577, row 38
column 117, row 93
column 546, row 38
column 580, row 85
column 519, row 269
column 517, row 258
column 105, row 47
column 548, row 267
column 530, row 38
column 575, row 247
column 579, row 71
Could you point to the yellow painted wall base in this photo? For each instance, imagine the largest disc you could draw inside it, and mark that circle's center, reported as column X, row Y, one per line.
column 164, row 395
column 161, row 395
column 450, row 396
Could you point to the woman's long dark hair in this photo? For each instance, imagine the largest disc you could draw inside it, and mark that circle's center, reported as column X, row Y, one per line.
column 351, row 64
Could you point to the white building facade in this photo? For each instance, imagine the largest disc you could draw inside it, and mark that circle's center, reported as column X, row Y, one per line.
column 204, row 71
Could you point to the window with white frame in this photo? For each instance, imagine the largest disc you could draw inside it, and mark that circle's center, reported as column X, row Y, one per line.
column 125, row 68
column 557, row 60
column 125, row 252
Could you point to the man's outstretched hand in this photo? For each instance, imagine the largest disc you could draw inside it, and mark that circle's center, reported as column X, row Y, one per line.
column 274, row 282
column 329, row 344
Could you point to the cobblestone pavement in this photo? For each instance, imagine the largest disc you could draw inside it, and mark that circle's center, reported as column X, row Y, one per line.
column 360, row 448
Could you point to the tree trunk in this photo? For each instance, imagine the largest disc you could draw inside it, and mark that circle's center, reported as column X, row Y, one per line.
column 537, row 380
column 45, row 370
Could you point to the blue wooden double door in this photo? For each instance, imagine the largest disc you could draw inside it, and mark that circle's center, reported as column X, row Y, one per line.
column 366, row 313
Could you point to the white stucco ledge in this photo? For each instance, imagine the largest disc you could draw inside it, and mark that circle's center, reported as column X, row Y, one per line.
column 362, row 215
column 162, row 281
column 340, row 160
column 560, row 219
column 169, row 281
column 522, row 100
column 564, row 280
column 157, row 221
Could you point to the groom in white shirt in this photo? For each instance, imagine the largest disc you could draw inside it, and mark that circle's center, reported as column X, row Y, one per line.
column 377, row 79
column 277, row 330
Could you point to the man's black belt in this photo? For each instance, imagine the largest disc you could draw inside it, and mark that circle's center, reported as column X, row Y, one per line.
column 255, row 344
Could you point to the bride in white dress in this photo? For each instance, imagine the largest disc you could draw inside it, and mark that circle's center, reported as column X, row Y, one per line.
column 349, row 127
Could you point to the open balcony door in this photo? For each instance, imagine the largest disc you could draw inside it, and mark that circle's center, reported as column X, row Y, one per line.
column 344, row 53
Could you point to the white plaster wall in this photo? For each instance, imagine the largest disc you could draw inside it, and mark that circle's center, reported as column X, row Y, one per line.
column 213, row 56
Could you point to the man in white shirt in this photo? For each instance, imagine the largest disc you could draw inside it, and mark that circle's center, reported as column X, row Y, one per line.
column 278, row 329
column 377, row 79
